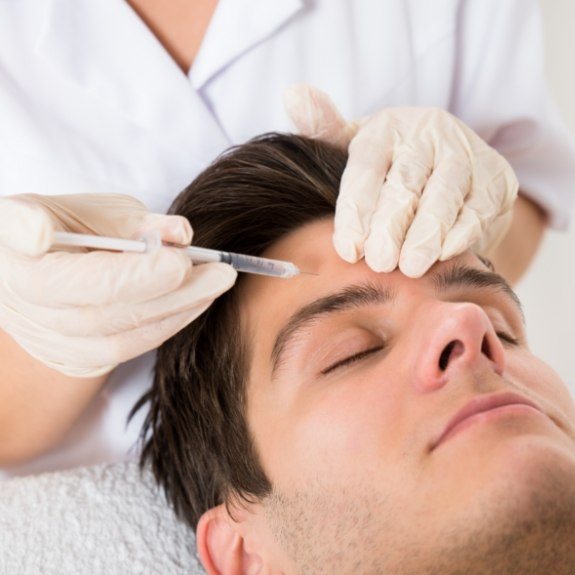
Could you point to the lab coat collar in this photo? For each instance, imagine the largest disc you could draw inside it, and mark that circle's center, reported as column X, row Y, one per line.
column 235, row 28
column 82, row 36
column 109, row 56
column 107, row 52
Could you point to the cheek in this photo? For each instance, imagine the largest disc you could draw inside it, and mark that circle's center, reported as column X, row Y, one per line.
column 337, row 430
column 534, row 375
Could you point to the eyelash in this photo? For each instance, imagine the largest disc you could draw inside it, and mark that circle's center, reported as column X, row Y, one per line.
column 362, row 354
column 351, row 359
column 507, row 338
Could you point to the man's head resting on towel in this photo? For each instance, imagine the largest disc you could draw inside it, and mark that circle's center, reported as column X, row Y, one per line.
column 297, row 424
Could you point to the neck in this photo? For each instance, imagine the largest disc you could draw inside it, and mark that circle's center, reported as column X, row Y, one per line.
column 180, row 25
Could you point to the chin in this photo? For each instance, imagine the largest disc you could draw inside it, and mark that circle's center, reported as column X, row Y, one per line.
column 525, row 478
column 520, row 518
column 501, row 470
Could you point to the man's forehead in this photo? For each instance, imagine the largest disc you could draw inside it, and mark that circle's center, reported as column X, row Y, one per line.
column 267, row 302
column 311, row 249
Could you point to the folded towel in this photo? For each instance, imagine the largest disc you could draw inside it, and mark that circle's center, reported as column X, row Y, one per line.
column 108, row 519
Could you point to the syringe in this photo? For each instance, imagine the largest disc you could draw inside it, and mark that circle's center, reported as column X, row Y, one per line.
column 240, row 262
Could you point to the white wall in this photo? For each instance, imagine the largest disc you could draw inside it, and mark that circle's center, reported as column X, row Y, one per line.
column 548, row 289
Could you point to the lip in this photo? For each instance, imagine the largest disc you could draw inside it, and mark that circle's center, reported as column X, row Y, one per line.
column 482, row 404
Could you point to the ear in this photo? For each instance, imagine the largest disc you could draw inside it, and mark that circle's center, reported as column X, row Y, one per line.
column 222, row 546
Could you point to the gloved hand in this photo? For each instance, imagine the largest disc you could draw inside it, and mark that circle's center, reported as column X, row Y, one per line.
column 419, row 184
column 81, row 312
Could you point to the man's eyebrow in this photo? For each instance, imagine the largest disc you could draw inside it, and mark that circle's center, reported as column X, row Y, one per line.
column 350, row 297
column 460, row 275
column 360, row 295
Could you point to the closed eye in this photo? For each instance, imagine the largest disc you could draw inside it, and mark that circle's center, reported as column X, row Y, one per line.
column 367, row 352
column 507, row 338
column 351, row 359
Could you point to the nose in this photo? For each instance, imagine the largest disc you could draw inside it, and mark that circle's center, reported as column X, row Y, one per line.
column 456, row 336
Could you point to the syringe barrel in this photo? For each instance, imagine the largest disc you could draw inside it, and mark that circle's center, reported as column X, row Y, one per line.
column 245, row 263
column 261, row 266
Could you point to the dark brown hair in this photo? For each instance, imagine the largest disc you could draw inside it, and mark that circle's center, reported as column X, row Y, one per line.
column 196, row 437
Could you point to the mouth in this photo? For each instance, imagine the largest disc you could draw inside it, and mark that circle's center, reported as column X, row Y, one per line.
column 500, row 403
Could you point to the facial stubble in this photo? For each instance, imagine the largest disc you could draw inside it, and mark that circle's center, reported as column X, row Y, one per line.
column 527, row 531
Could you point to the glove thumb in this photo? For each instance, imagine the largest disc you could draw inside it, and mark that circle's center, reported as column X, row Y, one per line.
column 28, row 221
column 313, row 114
column 24, row 227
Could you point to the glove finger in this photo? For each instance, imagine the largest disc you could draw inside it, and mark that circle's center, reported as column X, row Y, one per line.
column 124, row 346
column 494, row 181
column 484, row 203
column 438, row 209
column 370, row 156
column 28, row 221
column 25, row 227
column 498, row 228
column 492, row 195
column 117, row 215
column 397, row 203
column 173, row 229
column 206, row 283
column 54, row 350
column 62, row 279
column 314, row 115
column 467, row 229
column 95, row 356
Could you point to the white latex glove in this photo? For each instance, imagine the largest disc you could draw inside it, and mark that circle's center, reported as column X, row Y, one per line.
column 419, row 185
column 84, row 312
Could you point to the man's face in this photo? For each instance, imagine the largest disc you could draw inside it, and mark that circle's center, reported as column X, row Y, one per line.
column 348, row 398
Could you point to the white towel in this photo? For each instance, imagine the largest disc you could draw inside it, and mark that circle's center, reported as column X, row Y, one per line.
column 107, row 519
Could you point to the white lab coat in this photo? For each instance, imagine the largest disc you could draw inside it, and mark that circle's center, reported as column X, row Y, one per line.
column 91, row 102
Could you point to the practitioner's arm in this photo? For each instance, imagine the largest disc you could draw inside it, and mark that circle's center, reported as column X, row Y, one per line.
column 37, row 404
column 514, row 254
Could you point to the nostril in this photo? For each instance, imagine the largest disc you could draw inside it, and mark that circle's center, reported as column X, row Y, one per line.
column 444, row 358
column 453, row 348
column 485, row 349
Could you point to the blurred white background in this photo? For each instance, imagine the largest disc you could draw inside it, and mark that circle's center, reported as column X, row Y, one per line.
column 548, row 289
